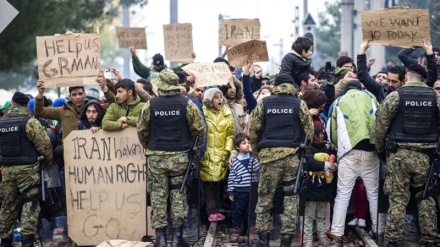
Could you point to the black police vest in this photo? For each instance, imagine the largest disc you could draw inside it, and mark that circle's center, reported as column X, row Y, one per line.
column 282, row 127
column 15, row 148
column 169, row 130
column 416, row 120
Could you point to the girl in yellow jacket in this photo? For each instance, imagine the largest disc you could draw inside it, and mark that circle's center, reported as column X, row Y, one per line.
column 213, row 166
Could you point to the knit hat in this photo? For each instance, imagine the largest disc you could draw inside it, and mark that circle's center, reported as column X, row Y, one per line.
column 59, row 102
column 436, row 49
column 353, row 84
column 283, row 78
column 417, row 69
column 210, row 93
column 93, row 94
column 168, row 81
column 31, row 105
column 20, row 98
column 6, row 106
column 158, row 59
column 314, row 98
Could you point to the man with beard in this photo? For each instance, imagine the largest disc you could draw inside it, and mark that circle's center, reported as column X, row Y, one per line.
column 396, row 76
column 233, row 99
column 91, row 117
column 124, row 113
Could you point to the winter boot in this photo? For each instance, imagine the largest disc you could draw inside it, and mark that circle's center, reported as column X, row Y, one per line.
column 6, row 242
column 161, row 238
column 235, row 234
column 263, row 240
column 336, row 241
column 178, row 240
column 286, row 240
column 27, row 240
column 253, row 236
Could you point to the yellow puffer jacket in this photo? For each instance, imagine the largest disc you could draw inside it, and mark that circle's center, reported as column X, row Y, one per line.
column 220, row 143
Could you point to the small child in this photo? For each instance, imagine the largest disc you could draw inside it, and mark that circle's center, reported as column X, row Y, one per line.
column 298, row 59
column 320, row 190
column 242, row 177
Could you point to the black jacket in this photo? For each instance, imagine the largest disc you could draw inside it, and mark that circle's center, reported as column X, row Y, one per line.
column 379, row 90
column 404, row 56
column 293, row 65
column 319, row 191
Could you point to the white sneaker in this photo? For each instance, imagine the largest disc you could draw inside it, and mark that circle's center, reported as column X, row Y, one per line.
column 354, row 222
column 361, row 223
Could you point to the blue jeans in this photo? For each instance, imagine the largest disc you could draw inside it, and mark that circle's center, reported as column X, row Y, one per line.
column 240, row 210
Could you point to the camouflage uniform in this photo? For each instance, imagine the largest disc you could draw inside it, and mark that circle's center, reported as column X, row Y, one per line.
column 277, row 164
column 20, row 182
column 165, row 167
column 409, row 166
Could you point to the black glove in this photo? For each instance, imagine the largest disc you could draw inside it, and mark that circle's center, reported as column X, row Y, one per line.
column 329, row 72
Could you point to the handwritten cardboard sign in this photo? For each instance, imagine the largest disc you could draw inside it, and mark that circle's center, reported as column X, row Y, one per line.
column 236, row 31
column 128, row 36
column 254, row 50
column 68, row 59
column 209, row 74
column 178, row 42
column 122, row 243
column 105, row 186
column 401, row 27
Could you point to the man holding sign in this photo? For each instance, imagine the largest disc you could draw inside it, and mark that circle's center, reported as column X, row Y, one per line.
column 167, row 127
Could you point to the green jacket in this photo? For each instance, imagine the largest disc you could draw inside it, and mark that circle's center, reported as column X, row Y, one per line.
column 117, row 110
column 144, row 71
column 268, row 155
column 352, row 120
column 66, row 114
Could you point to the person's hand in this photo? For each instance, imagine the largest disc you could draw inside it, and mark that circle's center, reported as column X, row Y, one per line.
column 94, row 129
column 231, row 198
column 122, row 119
column 101, row 81
column 125, row 125
column 40, row 88
column 427, row 47
column 232, row 156
column 247, row 68
column 191, row 78
column 333, row 167
column 193, row 55
column 314, row 111
column 117, row 74
column 329, row 73
column 133, row 50
column 370, row 62
column 364, row 47
column 421, row 62
column 349, row 76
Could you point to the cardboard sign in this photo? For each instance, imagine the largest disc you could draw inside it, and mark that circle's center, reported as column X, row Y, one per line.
column 105, row 186
column 209, row 74
column 69, row 59
column 7, row 14
column 123, row 243
column 128, row 36
column 401, row 27
column 254, row 50
column 178, row 42
column 236, row 31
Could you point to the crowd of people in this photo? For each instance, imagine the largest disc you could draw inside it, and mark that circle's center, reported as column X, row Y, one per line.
column 346, row 134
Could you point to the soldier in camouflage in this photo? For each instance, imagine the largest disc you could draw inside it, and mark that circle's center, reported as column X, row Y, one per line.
column 167, row 126
column 278, row 125
column 407, row 128
column 22, row 139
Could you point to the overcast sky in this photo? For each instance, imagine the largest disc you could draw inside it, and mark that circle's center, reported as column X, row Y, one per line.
column 275, row 16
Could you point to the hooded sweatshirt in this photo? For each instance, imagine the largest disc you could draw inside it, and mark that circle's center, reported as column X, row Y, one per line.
column 83, row 123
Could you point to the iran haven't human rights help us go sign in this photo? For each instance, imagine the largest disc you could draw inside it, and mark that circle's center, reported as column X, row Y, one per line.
column 68, row 59
column 401, row 27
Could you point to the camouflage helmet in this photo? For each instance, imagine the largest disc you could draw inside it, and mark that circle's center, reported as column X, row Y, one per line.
column 168, row 81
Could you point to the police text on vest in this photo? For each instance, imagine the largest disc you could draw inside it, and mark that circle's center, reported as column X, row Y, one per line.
column 418, row 103
column 167, row 113
column 279, row 111
column 9, row 129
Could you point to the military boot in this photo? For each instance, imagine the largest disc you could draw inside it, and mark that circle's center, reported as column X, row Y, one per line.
column 27, row 240
column 6, row 242
column 263, row 239
column 393, row 244
column 178, row 240
column 161, row 238
column 336, row 241
column 286, row 240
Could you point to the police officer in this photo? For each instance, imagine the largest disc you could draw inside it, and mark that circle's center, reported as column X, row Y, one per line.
column 167, row 126
column 279, row 124
column 22, row 138
column 407, row 128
